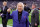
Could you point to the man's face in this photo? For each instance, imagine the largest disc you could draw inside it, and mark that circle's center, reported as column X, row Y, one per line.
column 33, row 6
column 4, row 3
column 20, row 7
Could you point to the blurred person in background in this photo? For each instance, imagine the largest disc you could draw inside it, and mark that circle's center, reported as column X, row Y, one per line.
column 26, row 8
column 19, row 16
column 35, row 16
column 4, row 13
column 38, row 8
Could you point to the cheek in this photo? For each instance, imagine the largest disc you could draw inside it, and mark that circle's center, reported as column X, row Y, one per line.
column 32, row 7
column 19, row 8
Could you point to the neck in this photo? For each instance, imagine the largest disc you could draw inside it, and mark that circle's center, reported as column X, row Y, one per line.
column 19, row 11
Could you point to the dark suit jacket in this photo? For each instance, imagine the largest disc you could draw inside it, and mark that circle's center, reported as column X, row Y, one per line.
column 27, row 9
column 35, row 17
column 5, row 10
column 24, row 16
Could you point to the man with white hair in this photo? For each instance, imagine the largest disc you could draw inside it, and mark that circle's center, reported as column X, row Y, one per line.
column 19, row 16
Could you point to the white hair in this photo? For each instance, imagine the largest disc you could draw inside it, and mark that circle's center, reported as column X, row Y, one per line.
column 21, row 4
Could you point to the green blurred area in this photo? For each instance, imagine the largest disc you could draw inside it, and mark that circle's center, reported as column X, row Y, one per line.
column 10, row 21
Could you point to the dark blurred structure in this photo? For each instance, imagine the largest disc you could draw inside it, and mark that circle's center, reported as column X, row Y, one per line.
column 19, row 0
column 13, row 3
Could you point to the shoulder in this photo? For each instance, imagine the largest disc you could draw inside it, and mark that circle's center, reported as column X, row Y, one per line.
column 1, row 8
column 14, row 11
column 26, row 13
column 36, row 9
column 6, row 7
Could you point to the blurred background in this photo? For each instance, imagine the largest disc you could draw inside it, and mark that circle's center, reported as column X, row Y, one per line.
column 13, row 4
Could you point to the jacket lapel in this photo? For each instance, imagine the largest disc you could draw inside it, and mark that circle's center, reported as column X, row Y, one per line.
column 17, row 14
column 22, row 15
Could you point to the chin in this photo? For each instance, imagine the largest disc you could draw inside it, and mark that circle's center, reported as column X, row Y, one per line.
column 19, row 10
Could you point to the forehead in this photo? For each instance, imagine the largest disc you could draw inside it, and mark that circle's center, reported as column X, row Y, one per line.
column 33, row 5
column 4, row 2
column 19, row 4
